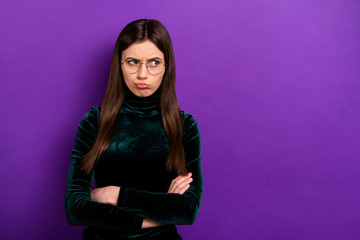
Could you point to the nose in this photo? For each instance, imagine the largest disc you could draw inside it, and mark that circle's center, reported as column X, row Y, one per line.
column 142, row 73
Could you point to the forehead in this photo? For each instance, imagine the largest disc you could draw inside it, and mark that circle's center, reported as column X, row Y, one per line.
column 142, row 50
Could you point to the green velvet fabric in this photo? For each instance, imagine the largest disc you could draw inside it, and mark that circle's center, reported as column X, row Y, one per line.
column 135, row 161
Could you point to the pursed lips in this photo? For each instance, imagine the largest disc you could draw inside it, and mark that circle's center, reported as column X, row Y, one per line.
column 141, row 85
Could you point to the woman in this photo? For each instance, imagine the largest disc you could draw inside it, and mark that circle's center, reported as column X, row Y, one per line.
column 143, row 151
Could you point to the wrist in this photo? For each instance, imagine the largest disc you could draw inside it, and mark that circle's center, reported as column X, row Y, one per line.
column 114, row 195
column 122, row 193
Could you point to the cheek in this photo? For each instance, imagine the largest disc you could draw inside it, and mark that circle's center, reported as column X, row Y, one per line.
column 127, row 78
column 161, row 79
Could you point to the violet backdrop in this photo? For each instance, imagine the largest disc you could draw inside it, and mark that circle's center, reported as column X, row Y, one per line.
column 274, row 86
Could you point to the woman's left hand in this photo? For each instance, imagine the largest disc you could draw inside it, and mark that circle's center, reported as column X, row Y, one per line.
column 109, row 194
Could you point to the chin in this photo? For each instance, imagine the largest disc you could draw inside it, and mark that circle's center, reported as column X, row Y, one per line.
column 144, row 93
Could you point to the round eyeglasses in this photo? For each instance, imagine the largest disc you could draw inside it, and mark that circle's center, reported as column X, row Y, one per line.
column 154, row 66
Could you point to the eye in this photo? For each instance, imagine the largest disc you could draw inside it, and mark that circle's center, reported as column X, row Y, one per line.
column 132, row 62
column 154, row 63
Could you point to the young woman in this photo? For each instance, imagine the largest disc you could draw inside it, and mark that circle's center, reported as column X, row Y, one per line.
column 143, row 151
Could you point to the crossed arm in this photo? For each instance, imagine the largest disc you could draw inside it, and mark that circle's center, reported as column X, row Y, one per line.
column 110, row 195
column 134, row 208
column 167, row 208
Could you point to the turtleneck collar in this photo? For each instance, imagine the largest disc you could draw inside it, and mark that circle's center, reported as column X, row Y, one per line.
column 143, row 106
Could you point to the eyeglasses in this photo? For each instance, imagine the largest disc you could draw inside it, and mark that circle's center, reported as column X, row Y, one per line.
column 154, row 66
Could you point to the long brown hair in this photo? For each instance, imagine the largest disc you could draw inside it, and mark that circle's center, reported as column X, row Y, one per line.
column 137, row 31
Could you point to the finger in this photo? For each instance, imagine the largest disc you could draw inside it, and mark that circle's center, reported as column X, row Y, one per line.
column 177, row 181
column 182, row 184
column 180, row 177
column 179, row 187
column 186, row 187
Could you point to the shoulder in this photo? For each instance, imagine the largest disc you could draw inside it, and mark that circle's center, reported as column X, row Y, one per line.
column 87, row 128
column 191, row 138
column 190, row 125
column 188, row 119
column 91, row 117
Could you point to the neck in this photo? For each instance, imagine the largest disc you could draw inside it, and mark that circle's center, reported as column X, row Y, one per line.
column 143, row 106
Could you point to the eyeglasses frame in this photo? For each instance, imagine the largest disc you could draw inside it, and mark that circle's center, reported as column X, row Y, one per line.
column 122, row 63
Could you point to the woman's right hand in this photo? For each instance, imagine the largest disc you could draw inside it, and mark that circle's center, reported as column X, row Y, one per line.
column 180, row 184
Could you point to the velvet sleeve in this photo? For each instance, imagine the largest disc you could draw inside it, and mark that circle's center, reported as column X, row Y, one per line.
column 171, row 208
column 79, row 207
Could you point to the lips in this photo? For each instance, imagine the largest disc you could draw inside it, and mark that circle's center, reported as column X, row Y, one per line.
column 142, row 85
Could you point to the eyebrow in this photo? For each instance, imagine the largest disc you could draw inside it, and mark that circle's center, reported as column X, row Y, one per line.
column 147, row 59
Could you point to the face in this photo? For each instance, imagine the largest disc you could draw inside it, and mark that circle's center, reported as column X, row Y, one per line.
column 142, row 83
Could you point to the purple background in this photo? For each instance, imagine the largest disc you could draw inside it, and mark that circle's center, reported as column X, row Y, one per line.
column 274, row 86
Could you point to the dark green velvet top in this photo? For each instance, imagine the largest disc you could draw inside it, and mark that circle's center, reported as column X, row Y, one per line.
column 135, row 161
